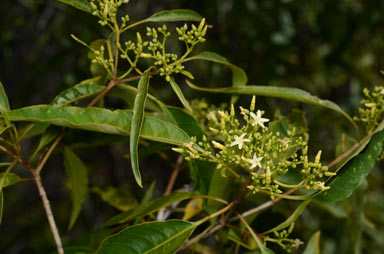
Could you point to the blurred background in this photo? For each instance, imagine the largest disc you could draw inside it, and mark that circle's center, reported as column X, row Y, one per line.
column 332, row 49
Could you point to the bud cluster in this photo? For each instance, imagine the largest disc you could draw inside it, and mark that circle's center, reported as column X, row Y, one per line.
column 106, row 11
column 166, row 63
column 192, row 36
column 99, row 58
column 372, row 108
column 282, row 238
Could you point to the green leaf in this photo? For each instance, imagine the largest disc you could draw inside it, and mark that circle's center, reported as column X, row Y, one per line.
column 186, row 122
column 288, row 93
column 79, row 4
column 313, row 246
column 175, row 15
column 48, row 136
column 179, row 94
column 101, row 120
column 149, row 238
column 239, row 77
column 128, row 94
column 148, row 193
column 84, row 89
column 122, row 200
column 220, row 187
column 4, row 104
column 353, row 173
column 202, row 173
column 291, row 219
column 78, row 181
column 169, row 16
column 137, row 123
column 150, row 207
column 78, row 250
column 10, row 179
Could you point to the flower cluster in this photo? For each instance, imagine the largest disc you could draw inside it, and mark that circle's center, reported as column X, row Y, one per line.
column 202, row 112
column 266, row 154
column 372, row 108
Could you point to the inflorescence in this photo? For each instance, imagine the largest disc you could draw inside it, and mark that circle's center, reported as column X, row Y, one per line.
column 372, row 108
column 249, row 144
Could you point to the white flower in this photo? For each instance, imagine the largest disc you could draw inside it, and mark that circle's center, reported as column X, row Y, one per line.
column 257, row 119
column 240, row 141
column 285, row 142
column 255, row 162
column 297, row 243
column 212, row 116
column 321, row 186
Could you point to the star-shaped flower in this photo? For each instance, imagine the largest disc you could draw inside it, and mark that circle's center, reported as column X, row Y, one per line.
column 212, row 116
column 257, row 119
column 255, row 162
column 240, row 141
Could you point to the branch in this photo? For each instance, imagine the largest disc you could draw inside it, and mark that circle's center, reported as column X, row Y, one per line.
column 49, row 213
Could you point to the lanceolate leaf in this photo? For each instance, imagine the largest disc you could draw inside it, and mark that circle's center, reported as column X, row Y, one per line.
column 128, row 94
column 80, row 91
column 220, row 187
column 150, row 207
column 186, row 122
column 278, row 92
column 78, row 181
column 137, row 123
column 79, row 4
column 179, row 94
column 170, row 16
column 101, row 120
column 291, row 219
column 149, row 238
column 122, row 200
column 10, row 179
column 49, row 135
column 352, row 174
column 175, row 15
column 239, row 77
column 313, row 246
column 4, row 104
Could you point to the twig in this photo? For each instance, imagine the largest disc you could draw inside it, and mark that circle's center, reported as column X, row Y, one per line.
column 263, row 206
column 344, row 155
column 174, row 175
column 50, row 150
column 161, row 214
column 48, row 211
column 5, row 150
column 109, row 86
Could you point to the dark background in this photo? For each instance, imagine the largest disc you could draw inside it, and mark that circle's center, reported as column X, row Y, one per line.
column 332, row 49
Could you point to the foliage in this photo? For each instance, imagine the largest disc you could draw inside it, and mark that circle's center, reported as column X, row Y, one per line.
column 246, row 165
